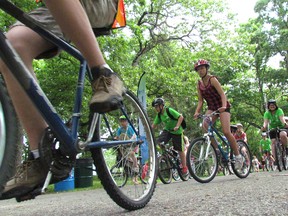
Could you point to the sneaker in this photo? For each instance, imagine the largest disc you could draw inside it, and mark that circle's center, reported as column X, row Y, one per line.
column 185, row 171
column 238, row 162
column 29, row 175
column 108, row 91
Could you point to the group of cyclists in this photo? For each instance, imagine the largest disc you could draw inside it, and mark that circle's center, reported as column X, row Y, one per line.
column 211, row 91
column 274, row 119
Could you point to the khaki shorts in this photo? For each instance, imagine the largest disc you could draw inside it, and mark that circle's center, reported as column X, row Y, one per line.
column 43, row 16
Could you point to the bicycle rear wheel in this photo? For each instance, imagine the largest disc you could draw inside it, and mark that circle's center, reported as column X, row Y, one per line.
column 203, row 169
column 165, row 170
column 10, row 137
column 279, row 157
column 247, row 160
column 133, row 195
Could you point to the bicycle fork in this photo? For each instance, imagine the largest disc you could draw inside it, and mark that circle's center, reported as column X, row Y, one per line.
column 204, row 153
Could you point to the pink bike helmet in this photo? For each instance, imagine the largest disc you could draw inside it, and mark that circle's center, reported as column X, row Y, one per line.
column 201, row 62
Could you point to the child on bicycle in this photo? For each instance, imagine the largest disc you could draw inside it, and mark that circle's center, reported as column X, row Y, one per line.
column 107, row 87
column 274, row 117
column 125, row 132
column 265, row 143
column 240, row 134
column 210, row 90
column 172, row 130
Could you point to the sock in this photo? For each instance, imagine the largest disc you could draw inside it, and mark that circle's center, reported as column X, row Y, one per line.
column 105, row 66
column 35, row 153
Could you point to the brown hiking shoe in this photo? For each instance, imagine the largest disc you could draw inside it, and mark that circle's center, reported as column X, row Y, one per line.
column 108, row 90
column 29, row 175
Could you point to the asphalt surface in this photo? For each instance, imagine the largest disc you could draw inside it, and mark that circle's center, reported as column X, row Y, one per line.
column 264, row 193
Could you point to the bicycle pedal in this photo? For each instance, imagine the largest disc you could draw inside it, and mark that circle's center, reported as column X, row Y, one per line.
column 29, row 196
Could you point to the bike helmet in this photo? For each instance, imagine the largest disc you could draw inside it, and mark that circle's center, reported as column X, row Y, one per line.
column 158, row 101
column 122, row 117
column 239, row 125
column 272, row 101
column 201, row 62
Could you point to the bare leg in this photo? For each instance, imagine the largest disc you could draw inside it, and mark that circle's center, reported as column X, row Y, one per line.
column 29, row 45
column 283, row 138
column 225, row 123
column 77, row 27
column 183, row 158
column 134, row 159
column 72, row 19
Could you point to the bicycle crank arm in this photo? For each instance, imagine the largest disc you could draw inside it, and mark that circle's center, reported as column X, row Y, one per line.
column 47, row 182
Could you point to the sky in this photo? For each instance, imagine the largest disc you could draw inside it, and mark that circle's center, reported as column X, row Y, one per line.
column 244, row 9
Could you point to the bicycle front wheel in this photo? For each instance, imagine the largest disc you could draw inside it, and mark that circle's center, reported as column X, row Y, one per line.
column 135, row 194
column 284, row 159
column 10, row 137
column 247, row 160
column 279, row 158
column 202, row 160
column 165, row 170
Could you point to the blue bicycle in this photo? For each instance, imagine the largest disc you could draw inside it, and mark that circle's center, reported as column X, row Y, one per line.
column 203, row 158
column 61, row 142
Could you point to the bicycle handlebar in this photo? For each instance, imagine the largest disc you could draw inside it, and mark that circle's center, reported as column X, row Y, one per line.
column 216, row 112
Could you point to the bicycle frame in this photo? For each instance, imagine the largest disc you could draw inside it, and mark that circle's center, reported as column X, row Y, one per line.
column 211, row 135
column 68, row 137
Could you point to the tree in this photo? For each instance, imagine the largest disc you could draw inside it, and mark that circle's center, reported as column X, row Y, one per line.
column 274, row 14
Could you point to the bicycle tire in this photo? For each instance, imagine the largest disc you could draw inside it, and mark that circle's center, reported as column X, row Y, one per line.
column 119, row 174
column 247, row 158
column 182, row 177
column 284, row 159
column 132, row 196
column 226, row 171
column 201, row 169
column 165, row 170
column 279, row 158
column 10, row 137
column 175, row 175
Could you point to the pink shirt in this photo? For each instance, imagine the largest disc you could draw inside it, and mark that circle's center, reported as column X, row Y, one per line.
column 240, row 136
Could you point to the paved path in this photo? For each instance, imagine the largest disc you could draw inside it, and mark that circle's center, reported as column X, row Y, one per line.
column 259, row 194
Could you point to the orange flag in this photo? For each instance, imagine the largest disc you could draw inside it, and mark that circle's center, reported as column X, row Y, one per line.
column 120, row 19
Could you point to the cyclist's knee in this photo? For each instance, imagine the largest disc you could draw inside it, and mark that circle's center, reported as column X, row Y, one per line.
column 283, row 135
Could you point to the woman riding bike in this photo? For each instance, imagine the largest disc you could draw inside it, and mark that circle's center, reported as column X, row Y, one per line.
column 210, row 90
column 275, row 118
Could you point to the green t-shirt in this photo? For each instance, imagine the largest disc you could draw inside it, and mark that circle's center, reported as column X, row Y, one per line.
column 265, row 144
column 169, row 123
column 274, row 120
